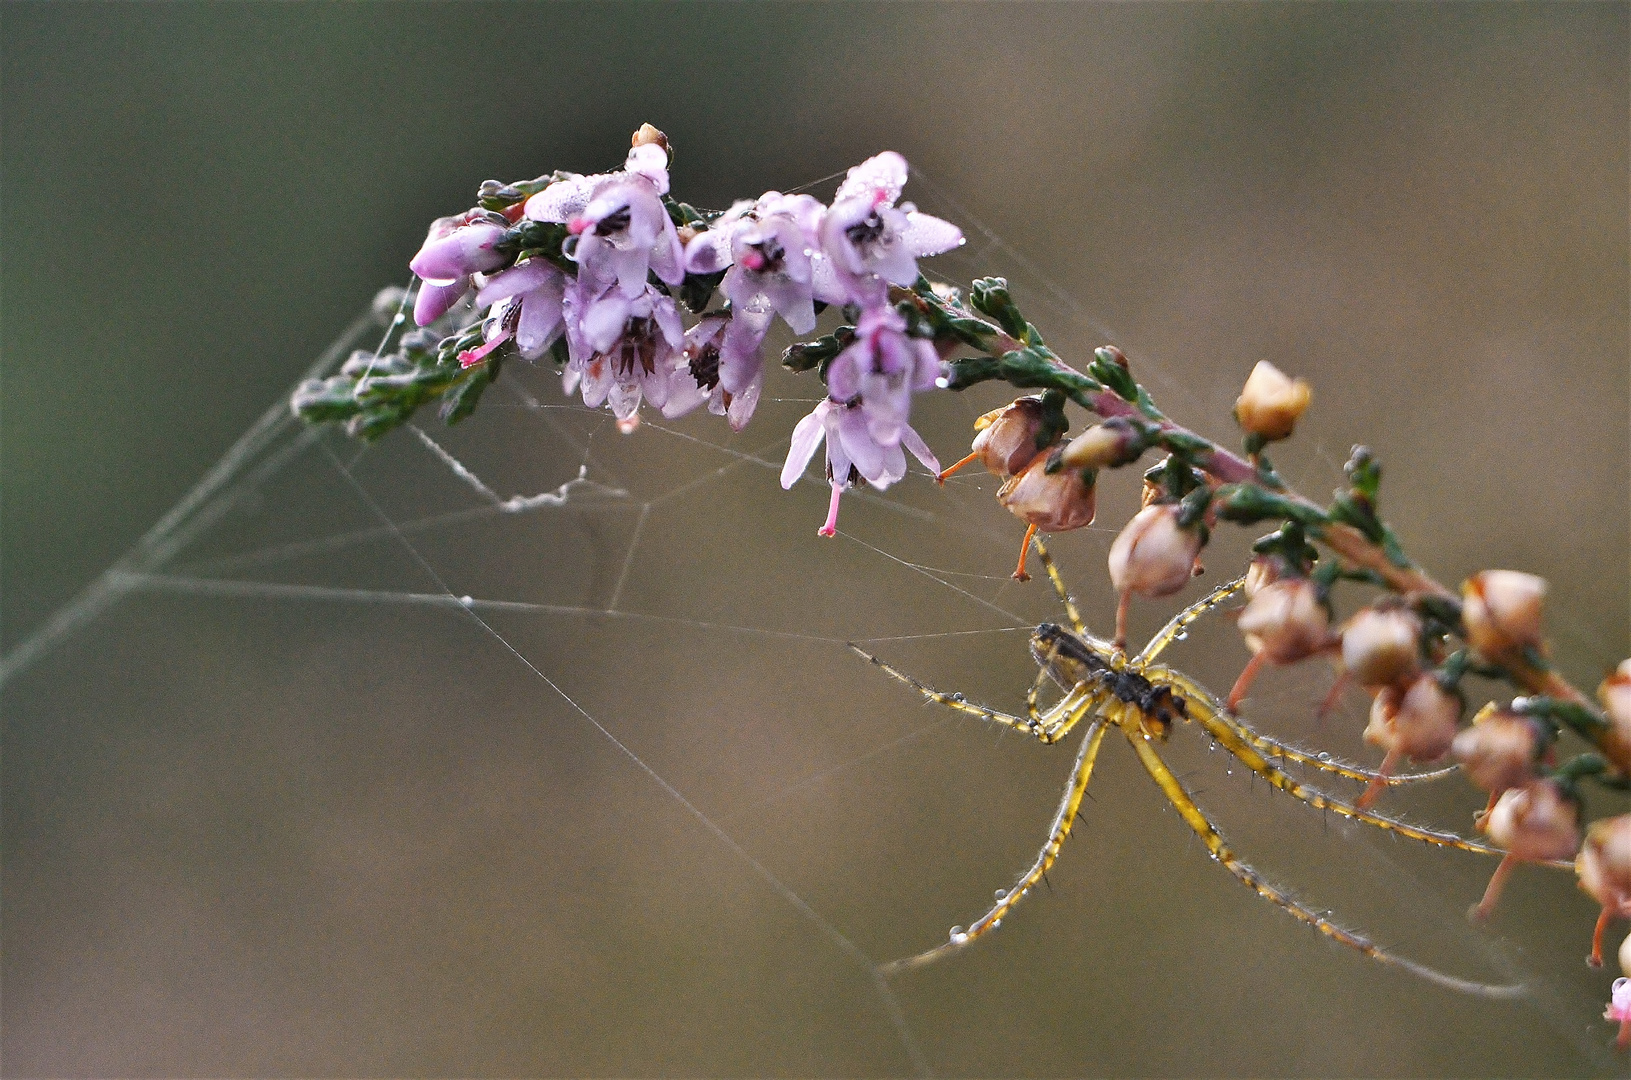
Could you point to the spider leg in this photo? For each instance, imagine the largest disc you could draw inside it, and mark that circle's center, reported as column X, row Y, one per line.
column 1049, row 726
column 1275, row 748
column 1081, row 773
column 1181, row 621
column 1204, row 710
column 1059, row 587
column 1209, row 835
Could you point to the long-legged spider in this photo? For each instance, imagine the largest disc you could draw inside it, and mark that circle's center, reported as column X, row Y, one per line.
column 1144, row 700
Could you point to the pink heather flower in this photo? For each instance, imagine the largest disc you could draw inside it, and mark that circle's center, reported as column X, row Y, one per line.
column 767, row 246
column 1619, row 1008
column 524, row 303
column 621, row 349
column 454, row 248
column 622, row 229
column 852, row 452
column 867, row 243
column 722, row 365
column 881, row 368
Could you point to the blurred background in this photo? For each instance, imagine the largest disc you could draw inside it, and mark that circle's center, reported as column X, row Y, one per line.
column 268, row 835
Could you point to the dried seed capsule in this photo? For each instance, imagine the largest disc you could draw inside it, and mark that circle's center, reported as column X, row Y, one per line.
column 1285, row 621
column 1153, row 555
column 1498, row 751
column 1604, row 863
column 1501, row 610
column 1418, row 722
column 1056, row 503
column 1380, row 645
column 1536, row 822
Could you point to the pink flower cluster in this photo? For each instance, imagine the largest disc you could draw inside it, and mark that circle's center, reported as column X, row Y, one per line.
column 780, row 255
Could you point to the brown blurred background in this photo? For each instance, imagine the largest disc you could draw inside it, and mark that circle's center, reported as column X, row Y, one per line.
column 252, row 836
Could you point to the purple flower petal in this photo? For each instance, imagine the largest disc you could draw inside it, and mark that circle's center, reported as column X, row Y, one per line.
column 928, row 235
column 920, row 450
column 434, row 301
column 807, row 436
column 878, row 179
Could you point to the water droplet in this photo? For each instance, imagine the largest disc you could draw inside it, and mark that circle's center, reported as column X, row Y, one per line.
column 957, row 935
column 398, row 319
column 1002, row 894
column 942, row 383
column 467, row 600
column 1323, row 756
column 1228, row 772
column 958, row 697
column 1182, row 635
column 995, row 923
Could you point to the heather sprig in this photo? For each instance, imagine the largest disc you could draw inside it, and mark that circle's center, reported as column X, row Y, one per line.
column 637, row 298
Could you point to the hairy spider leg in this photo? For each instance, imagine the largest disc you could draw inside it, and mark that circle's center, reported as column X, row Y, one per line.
column 1172, row 632
column 1049, row 726
column 1204, row 710
column 1081, row 773
column 1059, row 587
column 1196, row 820
column 1275, row 748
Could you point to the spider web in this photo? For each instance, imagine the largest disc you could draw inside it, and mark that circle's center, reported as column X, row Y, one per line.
column 528, row 747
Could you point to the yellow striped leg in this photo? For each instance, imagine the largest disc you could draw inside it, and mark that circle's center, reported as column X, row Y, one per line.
column 1049, row 726
column 1204, row 710
column 1181, row 621
column 1062, row 821
column 1059, row 586
column 1175, row 793
column 1275, row 748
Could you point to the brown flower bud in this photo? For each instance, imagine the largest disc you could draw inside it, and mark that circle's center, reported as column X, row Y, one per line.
column 1498, row 751
column 1271, row 402
column 1604, row 863
column 1418, row 722
column 1152, row 555
column 1006, row 442
column 647, row 135
column 1501, row 610
column 1535, row 822
column 1286, row 621
column 1615, row 694
column 1379, row 645
column 1099, row 446
column 1054, row 503
column 1260, row 573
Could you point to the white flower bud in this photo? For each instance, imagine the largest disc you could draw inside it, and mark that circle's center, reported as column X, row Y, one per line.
column 1006, row 442
column 1056, row 503
column 1535, row 822
column 1501, row 610
column 1285, row 621
column 1498, row 751
column 1152, row 555
column 1379, row 645
column 1271, row 402
column 1604, row 863
column 1418, row 722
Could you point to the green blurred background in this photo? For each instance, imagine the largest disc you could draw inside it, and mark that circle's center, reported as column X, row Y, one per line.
column 270, row 838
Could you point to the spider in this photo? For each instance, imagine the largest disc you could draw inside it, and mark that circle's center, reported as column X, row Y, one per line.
column 1144, row 700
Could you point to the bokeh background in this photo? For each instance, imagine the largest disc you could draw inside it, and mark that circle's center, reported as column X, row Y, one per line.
column 262, row 836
